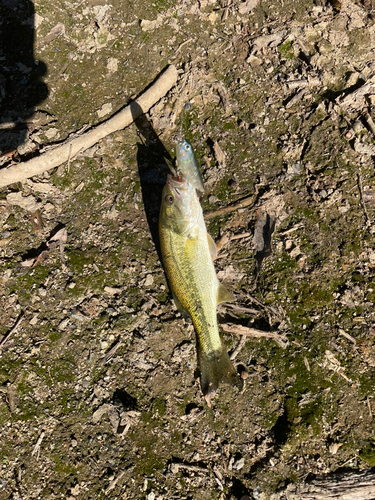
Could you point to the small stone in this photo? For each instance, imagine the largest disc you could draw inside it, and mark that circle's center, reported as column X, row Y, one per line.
column 112, row 64
column 149, row 280
column 63, row 324
column 288, row 245
column 104, row 345
column 26, row 202
column 102, row 410
column 48, row 207
column 34, row 319
column 104, row 110
column 238, row 465
column 51, row 133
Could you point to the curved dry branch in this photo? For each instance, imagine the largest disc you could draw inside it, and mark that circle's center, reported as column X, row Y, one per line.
column 62, row 153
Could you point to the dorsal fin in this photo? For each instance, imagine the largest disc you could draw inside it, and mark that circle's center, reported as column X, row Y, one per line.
column 224, row 295
column 212, row 247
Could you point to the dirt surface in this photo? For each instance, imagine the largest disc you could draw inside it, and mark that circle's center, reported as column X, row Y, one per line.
column 99, row 395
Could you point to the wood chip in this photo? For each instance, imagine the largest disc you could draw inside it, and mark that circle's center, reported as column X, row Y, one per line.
column 37, row 445
column 219, row 155
column 347, row 336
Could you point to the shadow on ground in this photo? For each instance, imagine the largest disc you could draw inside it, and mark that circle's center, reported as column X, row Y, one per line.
column 21, row 88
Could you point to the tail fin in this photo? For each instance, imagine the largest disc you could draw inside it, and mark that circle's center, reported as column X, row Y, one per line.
column 216, row 367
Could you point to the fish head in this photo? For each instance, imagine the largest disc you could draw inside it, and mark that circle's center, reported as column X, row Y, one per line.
column 184, row 150
column 180, row 204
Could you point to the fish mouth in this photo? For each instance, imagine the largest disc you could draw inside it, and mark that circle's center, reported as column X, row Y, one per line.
column 177, row 184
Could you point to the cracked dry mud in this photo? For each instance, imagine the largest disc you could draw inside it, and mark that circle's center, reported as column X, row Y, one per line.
column 98, row 390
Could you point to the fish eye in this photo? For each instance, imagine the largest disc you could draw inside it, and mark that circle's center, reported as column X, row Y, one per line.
column 169, row 199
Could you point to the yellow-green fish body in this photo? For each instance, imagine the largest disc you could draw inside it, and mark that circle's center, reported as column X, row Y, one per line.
column 187, row 252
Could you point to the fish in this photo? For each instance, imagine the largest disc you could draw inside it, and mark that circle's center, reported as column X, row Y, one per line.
column 187, row 164
column 187, row 250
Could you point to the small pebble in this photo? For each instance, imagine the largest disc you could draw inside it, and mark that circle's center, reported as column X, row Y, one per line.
column 288, row 245
column 149, row 280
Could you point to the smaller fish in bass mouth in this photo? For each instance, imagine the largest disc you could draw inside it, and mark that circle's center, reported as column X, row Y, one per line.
column 187, row 251
column 187, row 164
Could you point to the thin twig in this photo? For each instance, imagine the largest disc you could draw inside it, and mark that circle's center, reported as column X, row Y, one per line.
column 37, row 446
column 243, row 203
column 266, row 308
column 253, row 332
column 194, row 468
column 291, row 230
column 182, row 44
column 110, row 353
column 69, row 157
column 237, row 350
column 240, row 236
column 306, row 361
column 113, row 483
column 359, row 182
column 126, row 430
column 369, row 408
column 346, row 335
column 12, row 331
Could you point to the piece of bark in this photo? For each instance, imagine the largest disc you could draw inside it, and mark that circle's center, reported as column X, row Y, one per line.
column 356, row 98
column 264, row 227
column 339, row 486
column 56, row 156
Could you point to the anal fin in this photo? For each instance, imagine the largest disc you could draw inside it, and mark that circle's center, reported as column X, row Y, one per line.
column 179, row 306
column 224, row 295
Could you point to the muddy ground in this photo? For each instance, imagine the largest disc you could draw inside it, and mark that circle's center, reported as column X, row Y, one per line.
column 99, row 396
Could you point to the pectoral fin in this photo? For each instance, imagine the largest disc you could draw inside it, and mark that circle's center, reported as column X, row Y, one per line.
column 224, row 295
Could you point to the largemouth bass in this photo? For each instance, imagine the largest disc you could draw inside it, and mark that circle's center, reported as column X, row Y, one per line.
column 187, row 251
column 187, row 164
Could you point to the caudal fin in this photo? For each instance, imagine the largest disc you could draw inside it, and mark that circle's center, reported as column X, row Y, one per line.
column 215, row 368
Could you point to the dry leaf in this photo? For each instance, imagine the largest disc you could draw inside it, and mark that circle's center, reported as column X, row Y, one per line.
column 219, row 154
column 264, row 227
column 247, row 6
column 36, row 220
